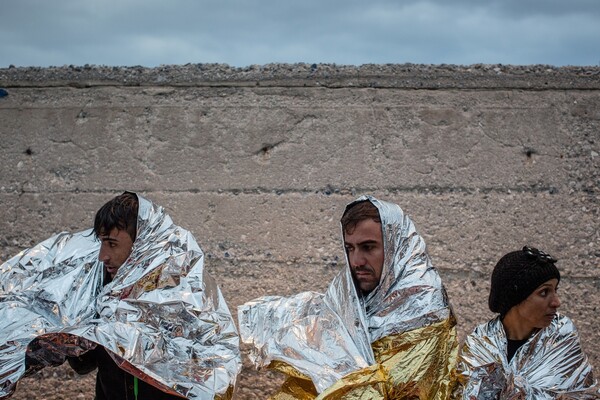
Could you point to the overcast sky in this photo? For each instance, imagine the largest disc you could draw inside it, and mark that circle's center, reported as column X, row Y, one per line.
column 246, row 32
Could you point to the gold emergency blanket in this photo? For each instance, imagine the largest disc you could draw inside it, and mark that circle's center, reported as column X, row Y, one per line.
column 162, row 318
column 551, row 365
column 397, row 342
column 406, row 364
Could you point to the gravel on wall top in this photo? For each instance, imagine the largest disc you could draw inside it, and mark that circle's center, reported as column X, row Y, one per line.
column 409, row 76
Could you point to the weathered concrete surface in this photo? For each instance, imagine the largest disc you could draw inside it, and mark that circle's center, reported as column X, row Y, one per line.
column 259, row 162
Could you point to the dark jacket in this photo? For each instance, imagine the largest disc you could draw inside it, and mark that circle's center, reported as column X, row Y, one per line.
column 112, row 383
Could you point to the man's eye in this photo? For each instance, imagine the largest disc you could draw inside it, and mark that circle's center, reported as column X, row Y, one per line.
column 543, row 293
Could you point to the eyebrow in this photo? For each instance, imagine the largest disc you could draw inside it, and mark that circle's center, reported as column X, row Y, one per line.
column 546, row 285
column 370, row 241
column 108, row 239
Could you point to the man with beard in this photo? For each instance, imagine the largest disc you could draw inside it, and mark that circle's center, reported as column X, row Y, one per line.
column 383, row 330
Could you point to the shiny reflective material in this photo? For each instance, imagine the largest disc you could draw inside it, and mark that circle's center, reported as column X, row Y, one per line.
column 551, row 365
column 346, row 343
column 162, row 316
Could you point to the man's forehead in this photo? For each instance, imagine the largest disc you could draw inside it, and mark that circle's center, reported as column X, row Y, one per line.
column 365, row 231
column 113, row 234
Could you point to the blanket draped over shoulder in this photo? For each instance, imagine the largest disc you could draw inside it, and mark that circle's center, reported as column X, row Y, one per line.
column 550, row 365
column 399, row 341
column 163, row 318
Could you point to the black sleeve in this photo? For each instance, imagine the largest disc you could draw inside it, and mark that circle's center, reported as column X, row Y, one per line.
column 31, row 364
column 85, row 363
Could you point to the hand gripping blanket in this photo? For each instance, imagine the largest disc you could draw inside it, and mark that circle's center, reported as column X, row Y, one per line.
column 162, row 319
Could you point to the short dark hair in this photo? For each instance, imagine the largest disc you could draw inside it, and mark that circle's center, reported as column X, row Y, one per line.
column 121, row 213
column 357, row 212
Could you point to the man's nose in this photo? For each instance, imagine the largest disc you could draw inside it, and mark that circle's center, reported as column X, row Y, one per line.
column 357, row 259
column 103, row 255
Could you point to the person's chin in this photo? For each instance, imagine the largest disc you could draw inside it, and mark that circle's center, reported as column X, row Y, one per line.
column 366, row 287
column 545, row 321
column 550, row 317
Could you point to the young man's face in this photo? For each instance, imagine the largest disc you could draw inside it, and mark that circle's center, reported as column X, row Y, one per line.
column 364, row 246
column 114, row 250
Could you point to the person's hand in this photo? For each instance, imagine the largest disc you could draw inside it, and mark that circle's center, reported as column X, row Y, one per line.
column 52, row 349
column 85, row 345
column 42, row 352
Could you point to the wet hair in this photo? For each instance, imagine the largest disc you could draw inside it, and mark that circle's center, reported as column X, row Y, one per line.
column 121, row 213
column 357, row 212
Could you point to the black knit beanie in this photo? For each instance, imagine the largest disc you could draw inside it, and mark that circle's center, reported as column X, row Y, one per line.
column 517, row 275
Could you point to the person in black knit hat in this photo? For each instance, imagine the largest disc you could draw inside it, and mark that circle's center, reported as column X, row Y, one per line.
column 517, row 275
column 529, row 350
column 515, row 278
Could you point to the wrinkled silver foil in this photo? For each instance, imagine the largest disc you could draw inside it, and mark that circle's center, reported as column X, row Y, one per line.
column 551, row 365
column 162, row 316
column 326, row 336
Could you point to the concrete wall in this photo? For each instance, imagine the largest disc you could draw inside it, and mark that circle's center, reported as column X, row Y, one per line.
column 259, row 162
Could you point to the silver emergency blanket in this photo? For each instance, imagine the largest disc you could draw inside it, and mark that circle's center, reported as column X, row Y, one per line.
column 550, row 365
column 162, row 316
column 327, row 336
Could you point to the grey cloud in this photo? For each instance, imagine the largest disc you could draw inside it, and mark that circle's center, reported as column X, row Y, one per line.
column 241, row 32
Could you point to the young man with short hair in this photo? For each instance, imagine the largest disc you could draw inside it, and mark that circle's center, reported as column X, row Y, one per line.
column 115, row 225
column 130, row 297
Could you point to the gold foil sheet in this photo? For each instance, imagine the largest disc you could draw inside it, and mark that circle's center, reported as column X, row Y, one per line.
column 335, row 338
column 414, row 365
